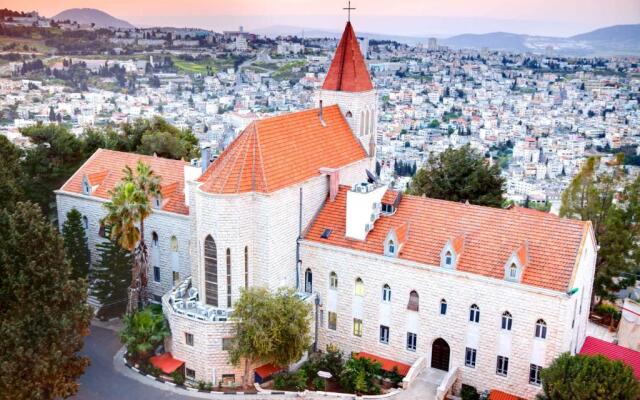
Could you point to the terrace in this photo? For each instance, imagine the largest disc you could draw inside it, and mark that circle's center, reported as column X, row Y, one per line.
column 184, row 299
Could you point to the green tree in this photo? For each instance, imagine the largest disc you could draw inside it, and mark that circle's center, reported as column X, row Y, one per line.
column 55, row 155
column 590, row 197
column 11, row 174
column 271, row 327
column 142, row 332
column 76, row 245
column 359, row 376
column 583, row 377
column 43, row 317
column 112, row 272
column 129, row 206
column 460, row 175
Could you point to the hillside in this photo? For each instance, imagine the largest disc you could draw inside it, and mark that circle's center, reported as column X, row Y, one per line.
column 91, row 15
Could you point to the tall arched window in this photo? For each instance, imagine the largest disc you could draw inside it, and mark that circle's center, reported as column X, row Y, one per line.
column 362, row 123
column 474, row 313
column 308, row 281
column 506, row 321
column 154, row 239
column 228, row 277
column 246, row 267
column 443, row 307
column 211, row 271
column 386, row 293
column 333, row 280
column 372, row 121
column 541, row 329
column 85, row 222
column 359, row 290
column 366, row 122
column 174, row 244
column 414, row 301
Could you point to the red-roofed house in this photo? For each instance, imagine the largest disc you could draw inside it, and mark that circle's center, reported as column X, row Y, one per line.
column 593, row 346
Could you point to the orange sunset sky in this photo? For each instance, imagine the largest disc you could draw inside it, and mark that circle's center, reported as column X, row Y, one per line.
column 554, row 17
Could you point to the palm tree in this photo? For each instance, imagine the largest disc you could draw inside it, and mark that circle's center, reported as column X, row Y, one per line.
column 142, row 332
column 130, row 204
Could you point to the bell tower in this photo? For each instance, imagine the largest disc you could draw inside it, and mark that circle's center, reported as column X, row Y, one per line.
column 348, row 85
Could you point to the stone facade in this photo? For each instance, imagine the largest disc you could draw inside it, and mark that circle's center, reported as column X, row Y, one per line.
column 527, row 304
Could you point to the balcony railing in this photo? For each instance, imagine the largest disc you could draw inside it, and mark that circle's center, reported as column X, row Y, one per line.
column 184, row 299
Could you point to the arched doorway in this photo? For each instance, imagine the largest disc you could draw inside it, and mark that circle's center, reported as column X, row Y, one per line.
column 440, row 354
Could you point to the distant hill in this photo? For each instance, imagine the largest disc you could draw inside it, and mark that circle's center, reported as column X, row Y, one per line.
column 91, row 15
column 287, row 30
column 613, row 40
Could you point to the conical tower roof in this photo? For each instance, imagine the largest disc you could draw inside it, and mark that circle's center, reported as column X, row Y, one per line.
column 348, row 71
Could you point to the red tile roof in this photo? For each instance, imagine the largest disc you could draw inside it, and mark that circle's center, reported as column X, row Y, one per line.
column 499, row 395
column 491, row 235
column 348, row 71
column 104, row 169
column 276, row 152
column 593, row 346
column 387, row 364
column 166, row 362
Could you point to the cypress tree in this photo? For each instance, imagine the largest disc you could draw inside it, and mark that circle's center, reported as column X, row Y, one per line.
column 75, row 244
column 44, row 316
column 112, row 272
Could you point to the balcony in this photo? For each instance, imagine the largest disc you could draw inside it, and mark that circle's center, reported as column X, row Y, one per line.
column 184, row 300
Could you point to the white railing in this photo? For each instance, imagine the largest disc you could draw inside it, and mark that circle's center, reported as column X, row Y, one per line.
column 447, row 383
column 416, row 369
column 184, row 300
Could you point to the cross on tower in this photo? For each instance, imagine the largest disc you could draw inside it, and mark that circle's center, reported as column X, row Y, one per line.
column 349, row 8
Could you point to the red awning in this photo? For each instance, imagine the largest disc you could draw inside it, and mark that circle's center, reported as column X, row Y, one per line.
column 387, row 364
column 499, row 395
column 166, row 363
column 267, row 370
column 593, row 346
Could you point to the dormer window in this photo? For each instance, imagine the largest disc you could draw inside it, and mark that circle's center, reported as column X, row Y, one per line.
column 513, row 271
column 516, row 264
column 395, row 240
column 391, row 247
column 157, row 202
column 448, row 259
column 86, row 186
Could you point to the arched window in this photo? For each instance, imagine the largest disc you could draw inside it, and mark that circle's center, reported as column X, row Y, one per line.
column 228, row 277
column 86, row 187
column 391, row 246
column 541, row 329
column 211, row 271
column 154, row 239
column 506, row 321
column 85, row 222
column 513, row 271
column 448, row 259
column 246, row 267
column 372, row 121
column 474, row 313
column 333, row 280
column 386, row 293
column 443, row 307
column 414, row 301
column 362, row 123
column 366, row 122
column 308, row 281
column 348, row 114
column 174, row 244
column 359, row 291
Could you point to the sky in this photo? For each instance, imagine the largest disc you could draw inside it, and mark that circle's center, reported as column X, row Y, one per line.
column 399, row 17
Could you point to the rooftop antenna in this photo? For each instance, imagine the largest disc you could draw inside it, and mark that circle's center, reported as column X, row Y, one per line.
column 349, row 8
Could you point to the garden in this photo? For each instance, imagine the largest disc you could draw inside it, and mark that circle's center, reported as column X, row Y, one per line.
column 358, row 375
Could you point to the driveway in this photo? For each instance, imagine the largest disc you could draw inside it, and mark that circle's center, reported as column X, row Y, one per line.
column 102, row 382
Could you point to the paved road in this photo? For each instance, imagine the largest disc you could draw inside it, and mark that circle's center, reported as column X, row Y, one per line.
column 102, row 382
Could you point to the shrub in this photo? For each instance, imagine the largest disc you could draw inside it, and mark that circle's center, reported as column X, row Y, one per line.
column 319, row 384
column 360, row 375
column 177, row 377
column 206, row 386
column 469, row 393
column 295, row 381
column 608, row 309
column 394, row 376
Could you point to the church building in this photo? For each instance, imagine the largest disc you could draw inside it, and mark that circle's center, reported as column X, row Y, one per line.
column 492, row 294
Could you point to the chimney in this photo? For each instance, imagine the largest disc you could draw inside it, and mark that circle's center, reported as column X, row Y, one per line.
column 204, row 158
column 321, row 116
column 334, row 181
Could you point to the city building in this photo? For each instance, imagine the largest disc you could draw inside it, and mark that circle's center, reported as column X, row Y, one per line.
column 491, row 295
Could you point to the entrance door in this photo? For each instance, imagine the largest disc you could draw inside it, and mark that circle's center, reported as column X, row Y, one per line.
column 440, row 354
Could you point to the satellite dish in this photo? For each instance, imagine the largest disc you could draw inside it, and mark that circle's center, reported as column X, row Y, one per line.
column 371, row 178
